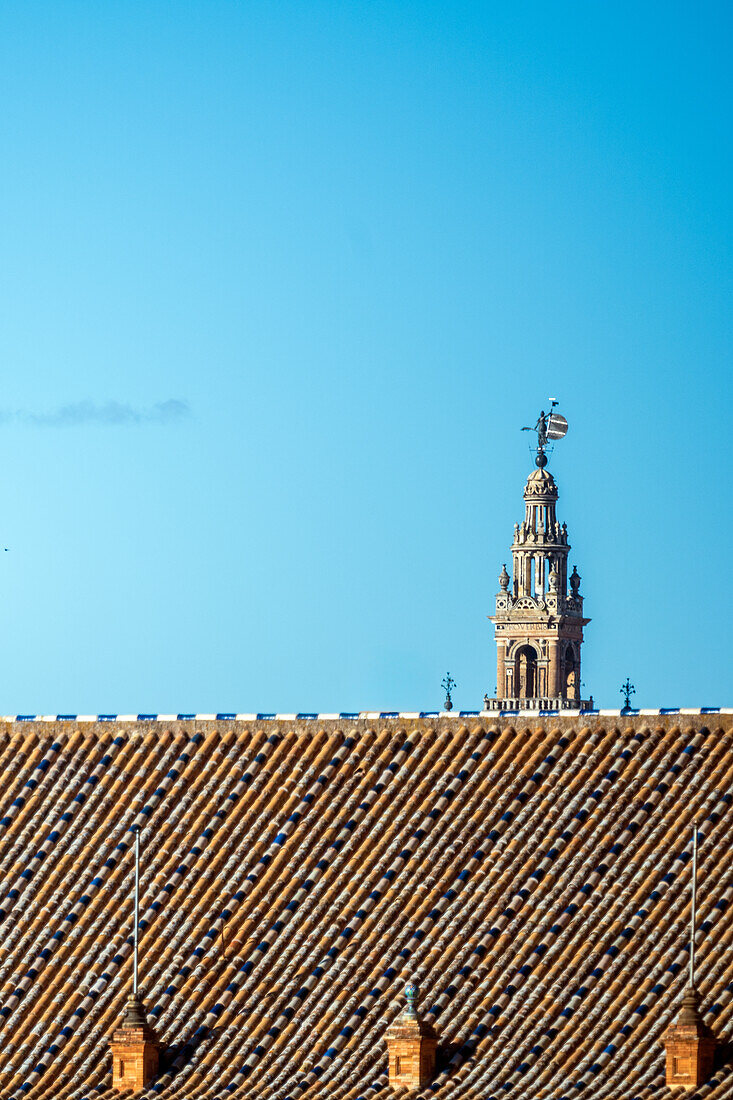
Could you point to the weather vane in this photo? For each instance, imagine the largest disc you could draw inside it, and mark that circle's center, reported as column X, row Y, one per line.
column 627, row 690
column 447, row 684
column 549, row 427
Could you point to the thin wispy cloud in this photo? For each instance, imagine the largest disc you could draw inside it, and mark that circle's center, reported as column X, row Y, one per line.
column 108, row 413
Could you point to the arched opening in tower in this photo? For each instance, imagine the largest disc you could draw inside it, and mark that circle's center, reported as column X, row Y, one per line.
column 527, row 672
column 571, row 677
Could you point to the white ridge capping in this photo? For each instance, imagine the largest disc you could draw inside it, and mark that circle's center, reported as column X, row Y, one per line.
column 370, row 714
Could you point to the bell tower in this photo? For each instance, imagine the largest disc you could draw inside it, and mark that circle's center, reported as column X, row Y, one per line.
column 539, row 610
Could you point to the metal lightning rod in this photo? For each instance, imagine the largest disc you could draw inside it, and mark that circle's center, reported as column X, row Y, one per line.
column 693, row 913
column 136, row 829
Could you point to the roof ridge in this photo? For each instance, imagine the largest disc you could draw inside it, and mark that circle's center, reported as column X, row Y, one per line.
column 365, row 715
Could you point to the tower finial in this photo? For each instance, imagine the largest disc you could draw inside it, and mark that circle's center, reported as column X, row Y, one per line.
column 134, row 1046
column 136, row 908
column 627, row 689
column 447, row 684
column 693, row 909
column 411, row 992
column 135, row 1011
column 689, row 1043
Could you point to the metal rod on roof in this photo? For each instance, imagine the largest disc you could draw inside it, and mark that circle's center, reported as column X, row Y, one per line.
column 136, row 830
column 693, row 913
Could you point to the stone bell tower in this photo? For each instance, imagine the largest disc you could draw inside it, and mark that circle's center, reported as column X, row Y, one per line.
column 539, row 610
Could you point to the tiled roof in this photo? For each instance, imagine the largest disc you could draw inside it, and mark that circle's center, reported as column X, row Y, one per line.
column 530, row 873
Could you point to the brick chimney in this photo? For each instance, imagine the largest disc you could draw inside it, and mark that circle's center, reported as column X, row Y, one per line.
column 135, row 1049
column 689, row 1046
column 411, row 1045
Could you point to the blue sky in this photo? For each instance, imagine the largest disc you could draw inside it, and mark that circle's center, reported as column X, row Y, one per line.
column 281, row 282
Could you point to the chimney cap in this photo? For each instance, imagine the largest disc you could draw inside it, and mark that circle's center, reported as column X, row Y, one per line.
column 134, row 1018
column 134, row 1015
column 690, row 1012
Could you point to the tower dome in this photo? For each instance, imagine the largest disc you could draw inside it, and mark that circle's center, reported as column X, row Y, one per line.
column 540, row 486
